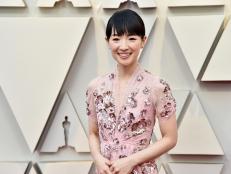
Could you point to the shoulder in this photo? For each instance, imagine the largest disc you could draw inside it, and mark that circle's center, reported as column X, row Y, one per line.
column 153, row 79
column 157, row 83
column 94, row 83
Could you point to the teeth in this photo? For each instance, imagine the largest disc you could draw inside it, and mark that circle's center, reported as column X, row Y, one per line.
column 124, row 54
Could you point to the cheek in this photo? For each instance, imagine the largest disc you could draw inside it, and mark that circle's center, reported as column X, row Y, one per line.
column 113, row 47
column 136, row 47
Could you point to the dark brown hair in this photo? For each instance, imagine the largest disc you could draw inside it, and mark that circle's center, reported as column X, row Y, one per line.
column 125, row 22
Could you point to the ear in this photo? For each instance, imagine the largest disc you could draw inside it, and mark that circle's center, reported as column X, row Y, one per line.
column 144, row 40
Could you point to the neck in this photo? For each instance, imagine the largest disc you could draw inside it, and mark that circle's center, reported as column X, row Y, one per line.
column 125, row 72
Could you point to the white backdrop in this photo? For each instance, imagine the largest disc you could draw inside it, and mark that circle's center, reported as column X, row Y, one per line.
column 49, row 51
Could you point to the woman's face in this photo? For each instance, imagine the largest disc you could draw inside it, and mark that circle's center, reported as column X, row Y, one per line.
column 125, row 49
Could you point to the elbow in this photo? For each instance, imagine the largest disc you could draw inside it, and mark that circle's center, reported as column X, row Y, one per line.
column 171, row 141
column 171, row 144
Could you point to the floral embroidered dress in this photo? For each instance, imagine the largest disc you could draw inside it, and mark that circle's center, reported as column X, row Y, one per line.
column 126, row 125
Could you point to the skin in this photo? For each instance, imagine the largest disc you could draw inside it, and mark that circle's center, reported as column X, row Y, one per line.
column 125, row 50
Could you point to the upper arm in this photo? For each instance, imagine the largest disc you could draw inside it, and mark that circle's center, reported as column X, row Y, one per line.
column 92, row 126
column 91, row 110
column 168, row 127
column 166, row 110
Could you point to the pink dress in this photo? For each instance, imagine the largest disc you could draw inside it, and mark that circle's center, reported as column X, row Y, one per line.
column 126, row 125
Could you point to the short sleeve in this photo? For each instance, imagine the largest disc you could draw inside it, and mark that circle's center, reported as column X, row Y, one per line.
column 90, row 105
column 165, row 102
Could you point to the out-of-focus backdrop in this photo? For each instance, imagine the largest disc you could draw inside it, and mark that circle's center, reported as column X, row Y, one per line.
column 51, row 49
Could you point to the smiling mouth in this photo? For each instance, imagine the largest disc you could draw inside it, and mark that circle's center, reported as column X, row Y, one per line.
column 124, row 55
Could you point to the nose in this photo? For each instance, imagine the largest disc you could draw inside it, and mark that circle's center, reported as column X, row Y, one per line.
column 123, row 44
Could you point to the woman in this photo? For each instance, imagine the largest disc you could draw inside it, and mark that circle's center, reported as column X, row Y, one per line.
column 123, row 106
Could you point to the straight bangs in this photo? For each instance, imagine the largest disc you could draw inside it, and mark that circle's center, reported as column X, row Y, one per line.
column 125, row 24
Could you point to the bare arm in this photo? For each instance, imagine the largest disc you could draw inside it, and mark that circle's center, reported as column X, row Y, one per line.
column 101, row 163
column 165, row 112
column 93, row 138
column 165, row 107
column 169, row 138
column 168, row 128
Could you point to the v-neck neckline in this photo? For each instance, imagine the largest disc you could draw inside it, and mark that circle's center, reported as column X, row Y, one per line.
column 120, row 102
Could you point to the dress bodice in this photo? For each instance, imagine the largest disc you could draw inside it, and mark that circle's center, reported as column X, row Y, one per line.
column 125, row 126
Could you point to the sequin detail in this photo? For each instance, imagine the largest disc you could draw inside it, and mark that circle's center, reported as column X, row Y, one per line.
column 111, row 76
column 148, row 168
column 129, row 129
column 139, row 78
column 131, row 101
column 146, row 90
column 168, row 101
column 147, row 102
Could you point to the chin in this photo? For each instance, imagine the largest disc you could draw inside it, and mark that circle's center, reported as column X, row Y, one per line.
column 125, row 63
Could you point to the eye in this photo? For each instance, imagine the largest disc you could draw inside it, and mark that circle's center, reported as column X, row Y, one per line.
column 132, row 38
column 115, row 39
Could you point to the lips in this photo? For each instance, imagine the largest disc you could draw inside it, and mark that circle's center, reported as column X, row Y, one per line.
column 124, row 55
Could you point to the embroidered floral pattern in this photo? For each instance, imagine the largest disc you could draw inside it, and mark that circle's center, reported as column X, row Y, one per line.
column 146, row 90
column 125, row 122
column 88, row 105
column 148, row 168
column 147, row 102
column 139, row 78
column 111, row 76
column 130, row 131
column 167, row 99
column 131, row 101
column 139, row 127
